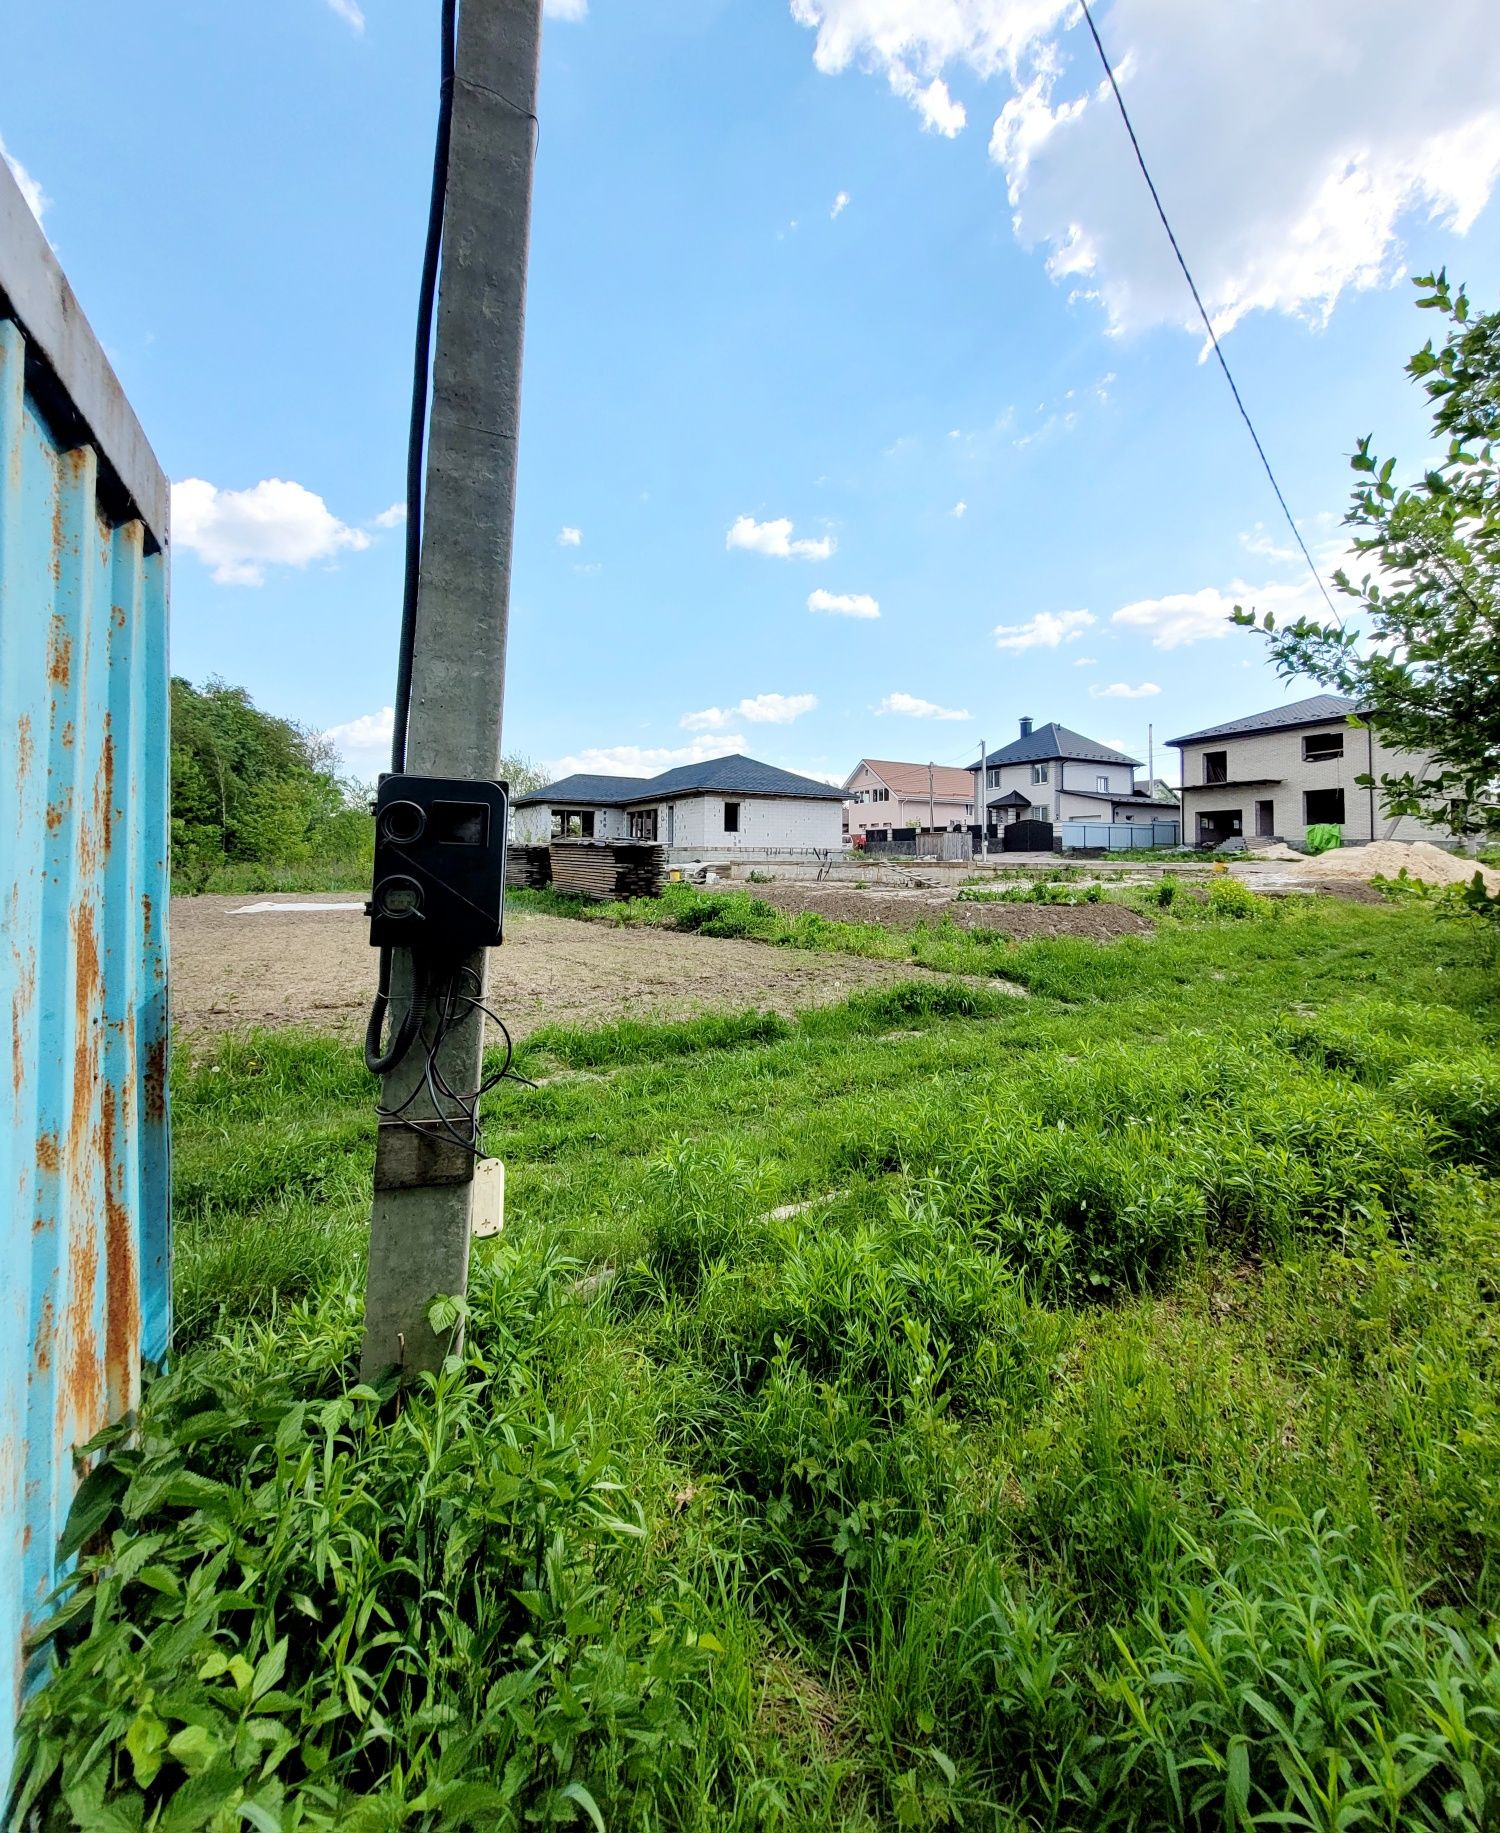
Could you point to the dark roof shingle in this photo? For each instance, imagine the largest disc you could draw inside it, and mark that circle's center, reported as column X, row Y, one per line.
column 1317, row 710
column 598, row 791
column 1053, row 740
column 733, row 776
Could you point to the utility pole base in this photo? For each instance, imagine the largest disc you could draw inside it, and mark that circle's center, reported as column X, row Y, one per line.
column 421, row 1252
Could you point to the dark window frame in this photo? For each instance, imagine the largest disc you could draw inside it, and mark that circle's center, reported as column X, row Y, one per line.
column 1329, row 747
column 1216, row 767
column 1333, row 798
column 731, row 817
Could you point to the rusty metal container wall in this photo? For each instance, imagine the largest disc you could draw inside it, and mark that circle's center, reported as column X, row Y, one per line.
column 84, row 1232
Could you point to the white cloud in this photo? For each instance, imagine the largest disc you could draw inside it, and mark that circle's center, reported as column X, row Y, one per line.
column 1290, row 177
column 764, row 709
column 914, row 708
column 645, row 760
column 1181, row 618
column 392, row 517
column 775, row 538
column 843, row 604
column 570, row 537
column 840, row 205
column 1085, row 661
column 958, row 509
column 349, row 11
column 37, row 199
column 365, row 742
column 1044, row 631
column 239, row 533
column 1122, row 690
column 566, row 9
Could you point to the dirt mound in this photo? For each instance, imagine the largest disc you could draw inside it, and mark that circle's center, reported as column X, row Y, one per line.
column 1386, row 858
column 905, row 909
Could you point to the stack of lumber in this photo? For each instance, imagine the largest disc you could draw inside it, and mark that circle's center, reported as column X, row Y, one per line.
column 607, row 869
column 528, row 868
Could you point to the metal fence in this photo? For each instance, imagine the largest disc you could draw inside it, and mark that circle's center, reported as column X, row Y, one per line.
column 1120, row 836
column 84, row 1246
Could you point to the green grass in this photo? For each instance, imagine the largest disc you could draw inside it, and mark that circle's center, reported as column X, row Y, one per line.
column 239, row 877
column 944, row 946
column 1115, row 1442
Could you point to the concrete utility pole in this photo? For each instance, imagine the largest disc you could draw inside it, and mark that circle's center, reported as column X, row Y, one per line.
column 931, row 805
column 420, row 1227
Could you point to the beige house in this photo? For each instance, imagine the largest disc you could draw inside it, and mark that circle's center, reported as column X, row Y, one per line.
column 1273, row 775
column 881, row 794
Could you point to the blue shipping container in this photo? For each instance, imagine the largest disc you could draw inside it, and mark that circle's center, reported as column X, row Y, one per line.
column 84, row 1233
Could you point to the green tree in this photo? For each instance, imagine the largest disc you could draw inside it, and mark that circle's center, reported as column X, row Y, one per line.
column 1425, row 660
column 251, row 787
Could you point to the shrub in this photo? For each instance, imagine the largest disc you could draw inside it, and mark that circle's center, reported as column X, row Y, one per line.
column 1463, row 1096
column 1227, row 897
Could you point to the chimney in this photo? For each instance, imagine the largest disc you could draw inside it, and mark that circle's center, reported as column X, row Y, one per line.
column 1026, row 728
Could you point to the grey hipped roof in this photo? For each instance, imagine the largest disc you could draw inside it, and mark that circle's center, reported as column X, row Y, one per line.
column 594, row 791
column 1011, row 799
column 1315, row 711
column 740, row 776
column 1053, row 740
column 733, row 776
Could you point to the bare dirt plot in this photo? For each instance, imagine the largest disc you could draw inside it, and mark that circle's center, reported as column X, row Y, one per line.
column 315, row 968
column 905, row 909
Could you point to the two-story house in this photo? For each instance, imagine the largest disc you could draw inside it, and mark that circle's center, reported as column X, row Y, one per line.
column 1053, row 774
column 881, row 794
column 1273, row 775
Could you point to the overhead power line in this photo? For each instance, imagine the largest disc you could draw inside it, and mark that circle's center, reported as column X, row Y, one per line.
column 1140, row 159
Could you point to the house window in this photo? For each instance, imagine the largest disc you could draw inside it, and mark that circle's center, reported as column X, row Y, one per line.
column 994, row 779
column 1216, row 766
column 1102, row 782
column 1323, row 805
column 1038, row 773
column 643, row 824
column 572, row 824
column 731, row 817
column 1265, row 819
column 880, row 795
column 1322, row 747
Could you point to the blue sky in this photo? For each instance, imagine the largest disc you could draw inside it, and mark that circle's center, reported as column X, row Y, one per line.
column 967, row 397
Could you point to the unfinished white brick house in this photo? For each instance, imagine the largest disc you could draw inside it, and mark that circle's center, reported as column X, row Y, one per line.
column 1273, row 775
column 723, row 806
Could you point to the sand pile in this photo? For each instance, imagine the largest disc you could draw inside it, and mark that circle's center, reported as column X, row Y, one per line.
column 1385, row 858
column 1273, row 849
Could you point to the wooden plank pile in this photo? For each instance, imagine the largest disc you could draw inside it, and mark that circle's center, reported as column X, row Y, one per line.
column 528, row 868
column 604, row 870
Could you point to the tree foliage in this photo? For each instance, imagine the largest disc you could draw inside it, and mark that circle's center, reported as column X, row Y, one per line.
column 251, row 789
column 247, row 786
column 1425, row 660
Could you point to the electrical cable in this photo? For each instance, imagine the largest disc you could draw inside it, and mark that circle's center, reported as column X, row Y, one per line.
column 416, row 438
column 435, row 1084
column 380, row 1061
column 1213, row 339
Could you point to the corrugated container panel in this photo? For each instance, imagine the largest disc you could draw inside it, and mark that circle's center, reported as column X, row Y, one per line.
column 84, row 1233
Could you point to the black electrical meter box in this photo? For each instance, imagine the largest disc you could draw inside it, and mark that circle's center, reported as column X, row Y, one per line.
column 439, row 863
